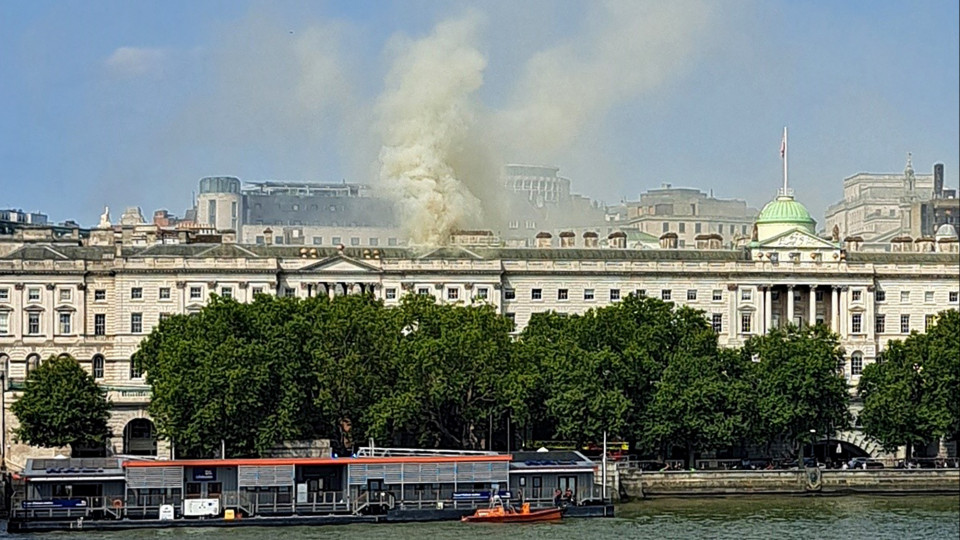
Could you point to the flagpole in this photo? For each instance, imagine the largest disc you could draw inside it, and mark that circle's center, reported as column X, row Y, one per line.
column 785, row 161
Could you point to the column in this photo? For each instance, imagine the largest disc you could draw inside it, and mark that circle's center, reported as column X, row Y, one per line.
column 843, row 310
column 734, row 326
column 767, row 308
column 789, row 304
column 835, row 309
column 813, row 306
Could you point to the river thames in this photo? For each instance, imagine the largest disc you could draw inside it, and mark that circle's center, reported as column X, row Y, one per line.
column 847, row 517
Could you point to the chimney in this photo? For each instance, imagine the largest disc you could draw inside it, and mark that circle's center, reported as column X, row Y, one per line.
column 703, row 241
column 118, row 249
column 902, row 244
column 852, row 243
column 938, row 181
column 590, row 239
column 567, row 239
column 228, row 236
column 268, row 236
column 617, row 240
column 668, row 240
column 544, row 239
column 924, row 244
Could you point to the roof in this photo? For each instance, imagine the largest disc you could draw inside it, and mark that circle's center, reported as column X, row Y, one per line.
column 312, row 461
column 553, row 461
column 72, row 469
column 785, row 210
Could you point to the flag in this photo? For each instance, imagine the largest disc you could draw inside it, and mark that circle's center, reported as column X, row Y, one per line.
column 783, row 146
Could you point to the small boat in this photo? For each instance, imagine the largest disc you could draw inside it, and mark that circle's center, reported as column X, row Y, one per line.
column 498, row 513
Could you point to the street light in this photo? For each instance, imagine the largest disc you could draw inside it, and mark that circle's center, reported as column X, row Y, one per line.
column 813, row 436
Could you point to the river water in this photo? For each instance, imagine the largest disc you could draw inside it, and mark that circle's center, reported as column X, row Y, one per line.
column 740, row 518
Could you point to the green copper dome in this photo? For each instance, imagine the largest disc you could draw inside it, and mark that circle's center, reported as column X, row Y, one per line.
column 785, row 210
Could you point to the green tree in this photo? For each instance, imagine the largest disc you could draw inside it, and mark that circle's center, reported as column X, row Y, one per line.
column 446, row 375
column 62, row 405
column 798, row 384
column 911, row 396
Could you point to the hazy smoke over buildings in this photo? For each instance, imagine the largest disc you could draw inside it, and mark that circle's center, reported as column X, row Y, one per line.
column 425, row 116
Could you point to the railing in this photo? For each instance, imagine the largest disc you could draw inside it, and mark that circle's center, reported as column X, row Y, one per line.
column 366, row 451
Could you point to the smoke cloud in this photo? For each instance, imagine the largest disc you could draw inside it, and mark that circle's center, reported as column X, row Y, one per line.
column 425, row 117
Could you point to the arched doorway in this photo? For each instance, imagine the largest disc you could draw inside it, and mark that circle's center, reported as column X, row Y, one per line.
column 140, row 438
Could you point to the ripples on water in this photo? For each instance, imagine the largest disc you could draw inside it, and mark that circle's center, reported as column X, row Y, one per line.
column 739, row 518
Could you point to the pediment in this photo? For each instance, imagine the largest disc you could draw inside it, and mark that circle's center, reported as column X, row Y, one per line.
column 797, row 239
column 340, row 264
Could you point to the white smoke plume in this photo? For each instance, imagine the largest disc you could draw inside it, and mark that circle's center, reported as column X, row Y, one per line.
column 425, row 117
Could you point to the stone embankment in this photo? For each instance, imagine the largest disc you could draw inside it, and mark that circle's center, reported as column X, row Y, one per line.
column 635, row 483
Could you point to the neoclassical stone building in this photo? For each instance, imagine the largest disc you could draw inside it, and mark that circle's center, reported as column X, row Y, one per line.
column 97, row 299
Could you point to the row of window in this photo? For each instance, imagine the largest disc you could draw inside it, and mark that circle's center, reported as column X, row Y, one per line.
column 34, row 360
column 698, row 228
column 453, row 293
column 614, row 294
column 65, row 323
column 196, row 293
column 372, row 241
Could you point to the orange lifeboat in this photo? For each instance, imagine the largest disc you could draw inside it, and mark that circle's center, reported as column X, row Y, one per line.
column 501, row 514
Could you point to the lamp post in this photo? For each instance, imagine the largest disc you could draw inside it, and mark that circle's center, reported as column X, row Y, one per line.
column 813, row 436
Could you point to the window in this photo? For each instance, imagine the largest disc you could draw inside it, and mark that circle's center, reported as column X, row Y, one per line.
column 562, row 294
column 666, row 227
column 278, row 240
column 856, row 363
column 260, row 240
column 509, row 294
column 392, row 241
column 683, row 227
column 423, row 291
column 318, row 240
column 536, row 294
column 134, row 370
column 66, row 295
column 355, row 241
column 818, row 296
column 289, row 292
column 928, row 296
column 717, row 322
column 136, row 293
column 257, row 290
column 880, row 295
column 374, row 241
column 904, row 324
column 796, row 296
column 33, row 294
column 953, row 297
column 165, row 316
column 856, row 295
column 928, row 322
column 336, row 240
column 4, row 295
column 196, row 293
column 391, row 294
column 453, row 293
column 746, row 295
column 33, row 324
column 65, row 319
column 880, row 324
column 665, row 294
column 745, row 323
column 640, row 293
column 691, row 294
column 697, row 227
column 856, row 323
column 588, row 294
column 512, row 317
column 99, row 324
column 614, row 294
column 136, row 323
column 4, row 323
column 904, row 297
column 98, row 367
column 774, row 296
column 717, row 295
column 482, row 293
column 226, row 292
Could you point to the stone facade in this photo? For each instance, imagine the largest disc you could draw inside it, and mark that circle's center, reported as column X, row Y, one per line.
column 97, row 302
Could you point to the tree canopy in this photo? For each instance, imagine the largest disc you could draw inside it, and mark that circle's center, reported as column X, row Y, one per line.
column 912, row 396
column 62, row 405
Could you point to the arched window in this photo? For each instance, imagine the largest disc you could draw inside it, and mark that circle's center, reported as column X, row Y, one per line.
column 856, row 363
column 98, row 362
column 63, row 355
column 33, row 361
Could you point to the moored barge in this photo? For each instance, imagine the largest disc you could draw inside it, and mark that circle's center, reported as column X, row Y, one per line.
column 385, row 485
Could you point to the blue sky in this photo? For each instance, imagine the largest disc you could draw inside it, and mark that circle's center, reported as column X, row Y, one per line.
column 130, row 103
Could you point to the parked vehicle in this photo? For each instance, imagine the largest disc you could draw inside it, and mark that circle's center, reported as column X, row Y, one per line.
column 864, row 463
